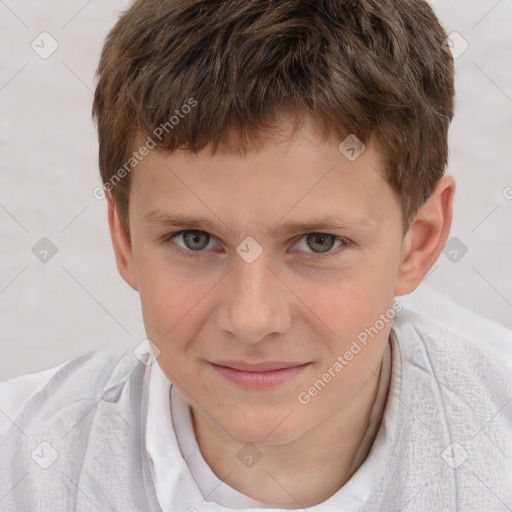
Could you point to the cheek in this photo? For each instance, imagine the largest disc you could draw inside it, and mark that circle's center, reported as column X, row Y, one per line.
column 346, row 305
column 345, row 300
column 169, row 299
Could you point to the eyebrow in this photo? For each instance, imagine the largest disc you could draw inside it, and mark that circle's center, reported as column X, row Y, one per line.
column 291, row 227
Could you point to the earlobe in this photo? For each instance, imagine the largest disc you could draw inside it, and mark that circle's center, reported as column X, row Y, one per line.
column 426, row 237
column 121, row 244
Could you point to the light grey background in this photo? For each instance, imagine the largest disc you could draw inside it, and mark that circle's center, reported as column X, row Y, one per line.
column 76, row 302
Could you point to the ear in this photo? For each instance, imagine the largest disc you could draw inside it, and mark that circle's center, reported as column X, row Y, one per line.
column 121, row 244
column 426, row 236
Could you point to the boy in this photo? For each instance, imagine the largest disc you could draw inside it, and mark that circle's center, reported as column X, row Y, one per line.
column 305, row 143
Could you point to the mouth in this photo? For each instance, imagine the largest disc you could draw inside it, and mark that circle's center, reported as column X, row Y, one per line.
column 258, row 376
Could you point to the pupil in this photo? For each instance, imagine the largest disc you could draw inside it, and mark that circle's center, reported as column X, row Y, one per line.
column 193, row 240
column 320, row 240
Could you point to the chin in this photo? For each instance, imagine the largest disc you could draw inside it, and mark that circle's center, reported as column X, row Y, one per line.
column 264, row 429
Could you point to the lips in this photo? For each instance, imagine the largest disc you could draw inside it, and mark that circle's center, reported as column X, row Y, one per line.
column 257, row 367
column 258, row 376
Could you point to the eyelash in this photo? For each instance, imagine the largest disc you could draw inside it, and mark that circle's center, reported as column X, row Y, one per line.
column 195, row 254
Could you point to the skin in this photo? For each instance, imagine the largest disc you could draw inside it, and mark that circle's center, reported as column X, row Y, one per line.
column 282, row 306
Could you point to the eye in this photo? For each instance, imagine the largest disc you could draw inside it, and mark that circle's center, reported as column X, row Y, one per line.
column 193, row 241
column 322, row 244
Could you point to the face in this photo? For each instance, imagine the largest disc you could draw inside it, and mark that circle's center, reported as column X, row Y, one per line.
column 294, row 252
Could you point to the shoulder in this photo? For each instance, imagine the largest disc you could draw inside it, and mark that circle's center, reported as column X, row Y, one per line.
column 454, row 397
column 437, row 316
column 90, row 370
column 457, row 362
column 15, row 392
column 84, row 419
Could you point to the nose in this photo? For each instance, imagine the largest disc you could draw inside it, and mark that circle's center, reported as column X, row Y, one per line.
column 256, row 302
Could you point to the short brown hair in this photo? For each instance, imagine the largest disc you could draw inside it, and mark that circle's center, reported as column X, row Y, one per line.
column 377, row 69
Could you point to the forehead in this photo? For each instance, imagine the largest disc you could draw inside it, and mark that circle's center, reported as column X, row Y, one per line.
column 283, row 182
